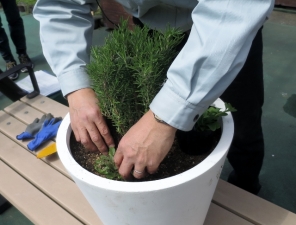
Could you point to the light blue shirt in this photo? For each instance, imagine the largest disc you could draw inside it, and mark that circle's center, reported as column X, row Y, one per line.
column 221, row 35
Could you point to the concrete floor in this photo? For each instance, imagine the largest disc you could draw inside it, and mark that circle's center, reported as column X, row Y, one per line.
column 278, row 176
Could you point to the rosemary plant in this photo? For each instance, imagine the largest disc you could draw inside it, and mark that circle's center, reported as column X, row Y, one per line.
column 129, row 70
column 126, row 74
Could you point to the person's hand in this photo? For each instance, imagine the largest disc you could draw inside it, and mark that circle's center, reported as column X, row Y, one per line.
column 87, row 122
column 143, row 147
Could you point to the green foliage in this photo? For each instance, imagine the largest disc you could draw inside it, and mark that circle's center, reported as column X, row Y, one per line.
column 209, row 120
column 129, row 70
column 98, row 11
column 26, row 2
column 105, row 166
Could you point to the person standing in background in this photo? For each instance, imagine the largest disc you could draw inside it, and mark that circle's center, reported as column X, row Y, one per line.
column 17, row 34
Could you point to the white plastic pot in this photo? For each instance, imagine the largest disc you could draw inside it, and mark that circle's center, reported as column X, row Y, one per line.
column 180, row 199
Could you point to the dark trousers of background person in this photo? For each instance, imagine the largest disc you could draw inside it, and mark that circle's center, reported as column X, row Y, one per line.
column 246, row 94
column 16, row 28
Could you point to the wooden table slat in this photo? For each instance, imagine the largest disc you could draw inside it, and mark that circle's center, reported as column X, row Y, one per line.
column 51, row 182
column 220, row 216
column 11, row 127
column 251, row 207
column 36, row 206
column 47, row 105
column 23, row 112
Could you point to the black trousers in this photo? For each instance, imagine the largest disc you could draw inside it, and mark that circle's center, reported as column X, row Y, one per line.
column 16, row 28
column 246, row 94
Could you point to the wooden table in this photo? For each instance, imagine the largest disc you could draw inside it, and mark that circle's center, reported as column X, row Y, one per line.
column 44, row 192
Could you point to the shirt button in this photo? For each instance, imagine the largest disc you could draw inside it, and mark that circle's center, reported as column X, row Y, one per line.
column 195, row 118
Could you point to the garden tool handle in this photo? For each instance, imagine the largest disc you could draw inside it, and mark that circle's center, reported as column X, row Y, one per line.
column 48, row 150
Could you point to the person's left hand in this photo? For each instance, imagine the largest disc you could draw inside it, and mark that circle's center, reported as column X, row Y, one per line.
column 143, row 147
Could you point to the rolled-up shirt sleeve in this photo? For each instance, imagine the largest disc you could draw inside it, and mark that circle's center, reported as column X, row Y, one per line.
column 218, row 45
column 66, row 36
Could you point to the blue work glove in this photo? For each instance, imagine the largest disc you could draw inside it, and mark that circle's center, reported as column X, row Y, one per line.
column 48, row 131
column 33, row 128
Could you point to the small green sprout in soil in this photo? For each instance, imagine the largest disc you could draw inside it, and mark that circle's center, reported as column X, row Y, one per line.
column 106, row 167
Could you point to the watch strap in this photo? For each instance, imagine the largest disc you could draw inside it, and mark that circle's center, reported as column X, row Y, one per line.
column 158, row 119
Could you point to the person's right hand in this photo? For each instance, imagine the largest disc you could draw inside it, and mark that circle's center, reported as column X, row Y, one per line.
column 87, row 122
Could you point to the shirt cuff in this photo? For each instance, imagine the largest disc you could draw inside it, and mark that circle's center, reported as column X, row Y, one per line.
column 174, row 110
column 74, row 80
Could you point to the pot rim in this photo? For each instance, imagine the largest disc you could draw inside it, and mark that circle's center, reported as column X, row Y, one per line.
column 63, row 143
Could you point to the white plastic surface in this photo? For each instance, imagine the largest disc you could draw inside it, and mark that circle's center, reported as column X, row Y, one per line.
column 181, row 199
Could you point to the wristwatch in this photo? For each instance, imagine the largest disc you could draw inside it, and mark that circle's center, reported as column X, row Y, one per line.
column 158, row 119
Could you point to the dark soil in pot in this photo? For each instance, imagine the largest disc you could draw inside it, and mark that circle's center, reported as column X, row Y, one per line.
column 197, row 142
column 176, row 162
